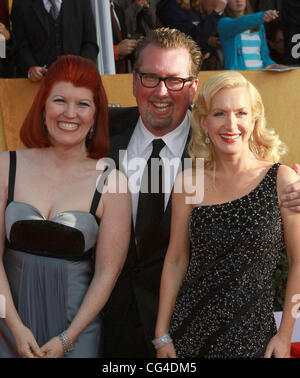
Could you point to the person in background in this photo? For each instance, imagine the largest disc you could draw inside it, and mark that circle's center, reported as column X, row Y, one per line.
column 216, row 288
column 64, row 238
column 243, row 37
column 124, row 45
column 275, row 40
column 7, row 68
column 46, row 29
column 186, row 16
column 263, row 5
column 139, row 17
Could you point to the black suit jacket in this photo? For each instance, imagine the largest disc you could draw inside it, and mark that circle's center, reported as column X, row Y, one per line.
column 31, row 31
column 121, row 17
column 139, row 281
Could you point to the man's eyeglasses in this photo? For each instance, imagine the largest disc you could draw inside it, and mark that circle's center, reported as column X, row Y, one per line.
column 172, row 83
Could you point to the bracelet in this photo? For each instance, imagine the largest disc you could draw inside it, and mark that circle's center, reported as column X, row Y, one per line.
column 116, row 52
column 30, row 71
column 66, row 342
column 161, row 341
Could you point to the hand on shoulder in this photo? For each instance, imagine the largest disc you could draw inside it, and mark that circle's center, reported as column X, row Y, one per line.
column 288, row 188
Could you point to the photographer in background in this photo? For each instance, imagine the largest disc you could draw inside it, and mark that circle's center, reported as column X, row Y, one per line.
column 124, row 43
column 44, row 30
column 139, row 16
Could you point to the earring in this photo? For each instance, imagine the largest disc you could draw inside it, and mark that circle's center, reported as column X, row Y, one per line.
column 207, row 138
column 252, row 138
column 45, row 127
column 90, row 133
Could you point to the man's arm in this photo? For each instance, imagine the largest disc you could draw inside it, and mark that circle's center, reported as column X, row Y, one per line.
column 291, row 196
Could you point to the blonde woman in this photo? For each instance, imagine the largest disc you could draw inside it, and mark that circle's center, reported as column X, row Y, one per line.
column 223, row 251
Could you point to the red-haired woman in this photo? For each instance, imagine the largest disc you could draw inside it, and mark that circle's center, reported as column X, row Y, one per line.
column 58, row 266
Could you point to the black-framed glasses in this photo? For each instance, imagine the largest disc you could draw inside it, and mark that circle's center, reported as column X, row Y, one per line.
column 172, row 83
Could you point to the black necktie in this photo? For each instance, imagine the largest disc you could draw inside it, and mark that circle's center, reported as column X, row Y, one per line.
column 54, row 10
column 151, row 202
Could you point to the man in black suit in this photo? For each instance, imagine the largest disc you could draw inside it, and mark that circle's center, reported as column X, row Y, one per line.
column 124, row 45
column 47, row 29
column 131, row 312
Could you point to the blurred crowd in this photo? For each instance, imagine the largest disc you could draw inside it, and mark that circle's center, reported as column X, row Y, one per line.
column 232, row 34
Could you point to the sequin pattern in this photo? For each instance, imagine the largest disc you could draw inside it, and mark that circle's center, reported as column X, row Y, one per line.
column 225, row 305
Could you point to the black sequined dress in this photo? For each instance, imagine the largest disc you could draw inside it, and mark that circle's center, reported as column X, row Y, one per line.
column 225, row 305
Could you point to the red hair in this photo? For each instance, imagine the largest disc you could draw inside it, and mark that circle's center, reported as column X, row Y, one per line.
column 81, row 72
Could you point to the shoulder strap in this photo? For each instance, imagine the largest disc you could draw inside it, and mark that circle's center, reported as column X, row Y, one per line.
column 12, row 175
column 98, row 192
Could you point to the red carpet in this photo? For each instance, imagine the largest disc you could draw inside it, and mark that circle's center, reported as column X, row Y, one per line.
column 295, row 350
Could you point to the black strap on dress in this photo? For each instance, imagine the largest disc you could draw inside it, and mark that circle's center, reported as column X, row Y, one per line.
column 98, row 193
column 12, row 179
column 12, row 176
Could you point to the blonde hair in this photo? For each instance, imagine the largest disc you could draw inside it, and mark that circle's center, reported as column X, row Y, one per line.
column 167, row 38
column 266, row 144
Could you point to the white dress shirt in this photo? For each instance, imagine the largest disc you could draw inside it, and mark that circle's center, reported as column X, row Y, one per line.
column 140, row 146
column 47, row 4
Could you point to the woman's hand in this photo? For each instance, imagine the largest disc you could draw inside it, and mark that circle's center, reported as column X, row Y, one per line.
column 37, row 73
column 53, row 348
column 167, row 351
column 276, row 66
column 278, row 347
column 270, row 15
column 26, row 343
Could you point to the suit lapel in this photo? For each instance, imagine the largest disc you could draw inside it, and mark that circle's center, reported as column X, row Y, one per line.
column 41, row 13
column 120, row 143
column 122, row 122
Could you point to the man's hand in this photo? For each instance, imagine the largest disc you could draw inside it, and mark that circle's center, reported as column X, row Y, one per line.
column 291, row 196
column 214, row 42
column 4, row 31
column 126, row 47
column 37, row 73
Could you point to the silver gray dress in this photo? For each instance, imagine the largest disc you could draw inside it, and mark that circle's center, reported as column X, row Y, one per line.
column 49, row 266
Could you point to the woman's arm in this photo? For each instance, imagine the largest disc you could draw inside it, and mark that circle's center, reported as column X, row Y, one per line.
column 279, row 345
column 111, row 251
column 175, row 266
column 25, row 341
column 229, row 27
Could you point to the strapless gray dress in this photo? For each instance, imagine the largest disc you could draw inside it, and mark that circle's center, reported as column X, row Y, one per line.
column 49, row 266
